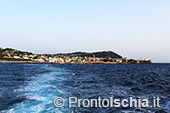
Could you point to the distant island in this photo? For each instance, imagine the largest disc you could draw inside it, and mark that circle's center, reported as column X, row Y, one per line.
column 104, row 57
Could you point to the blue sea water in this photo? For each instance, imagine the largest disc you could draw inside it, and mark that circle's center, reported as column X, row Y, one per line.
column 31, row 88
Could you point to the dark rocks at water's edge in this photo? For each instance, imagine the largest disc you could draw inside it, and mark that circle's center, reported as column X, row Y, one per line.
column 103, row 57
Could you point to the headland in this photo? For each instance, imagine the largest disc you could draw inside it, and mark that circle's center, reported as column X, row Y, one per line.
column 9, row 55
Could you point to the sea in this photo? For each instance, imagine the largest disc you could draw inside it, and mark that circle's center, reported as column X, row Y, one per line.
column 31, row 88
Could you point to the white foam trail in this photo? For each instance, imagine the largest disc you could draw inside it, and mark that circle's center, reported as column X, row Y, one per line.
column 40, row 93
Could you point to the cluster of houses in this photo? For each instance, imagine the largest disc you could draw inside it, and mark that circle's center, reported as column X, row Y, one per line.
column 78, row 60
column 37, row 58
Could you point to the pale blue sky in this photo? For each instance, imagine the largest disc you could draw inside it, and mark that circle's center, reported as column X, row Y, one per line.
column 133, row 28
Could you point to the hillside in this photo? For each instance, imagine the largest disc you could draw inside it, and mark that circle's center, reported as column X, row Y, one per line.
column 104, row 57
column 12, row 52
column 103, row 54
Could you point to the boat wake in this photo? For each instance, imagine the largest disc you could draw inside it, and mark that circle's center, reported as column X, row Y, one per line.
column 40, row 92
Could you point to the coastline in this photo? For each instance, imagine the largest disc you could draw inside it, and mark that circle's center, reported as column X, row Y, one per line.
column 3, row 61
column 34, row 62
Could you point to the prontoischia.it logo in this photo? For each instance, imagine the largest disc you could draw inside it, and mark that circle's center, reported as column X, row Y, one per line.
column 110, row 102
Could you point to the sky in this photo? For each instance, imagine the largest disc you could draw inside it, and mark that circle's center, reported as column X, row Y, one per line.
column 131, row 28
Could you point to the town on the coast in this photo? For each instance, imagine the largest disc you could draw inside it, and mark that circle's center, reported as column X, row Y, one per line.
column 104, row 57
